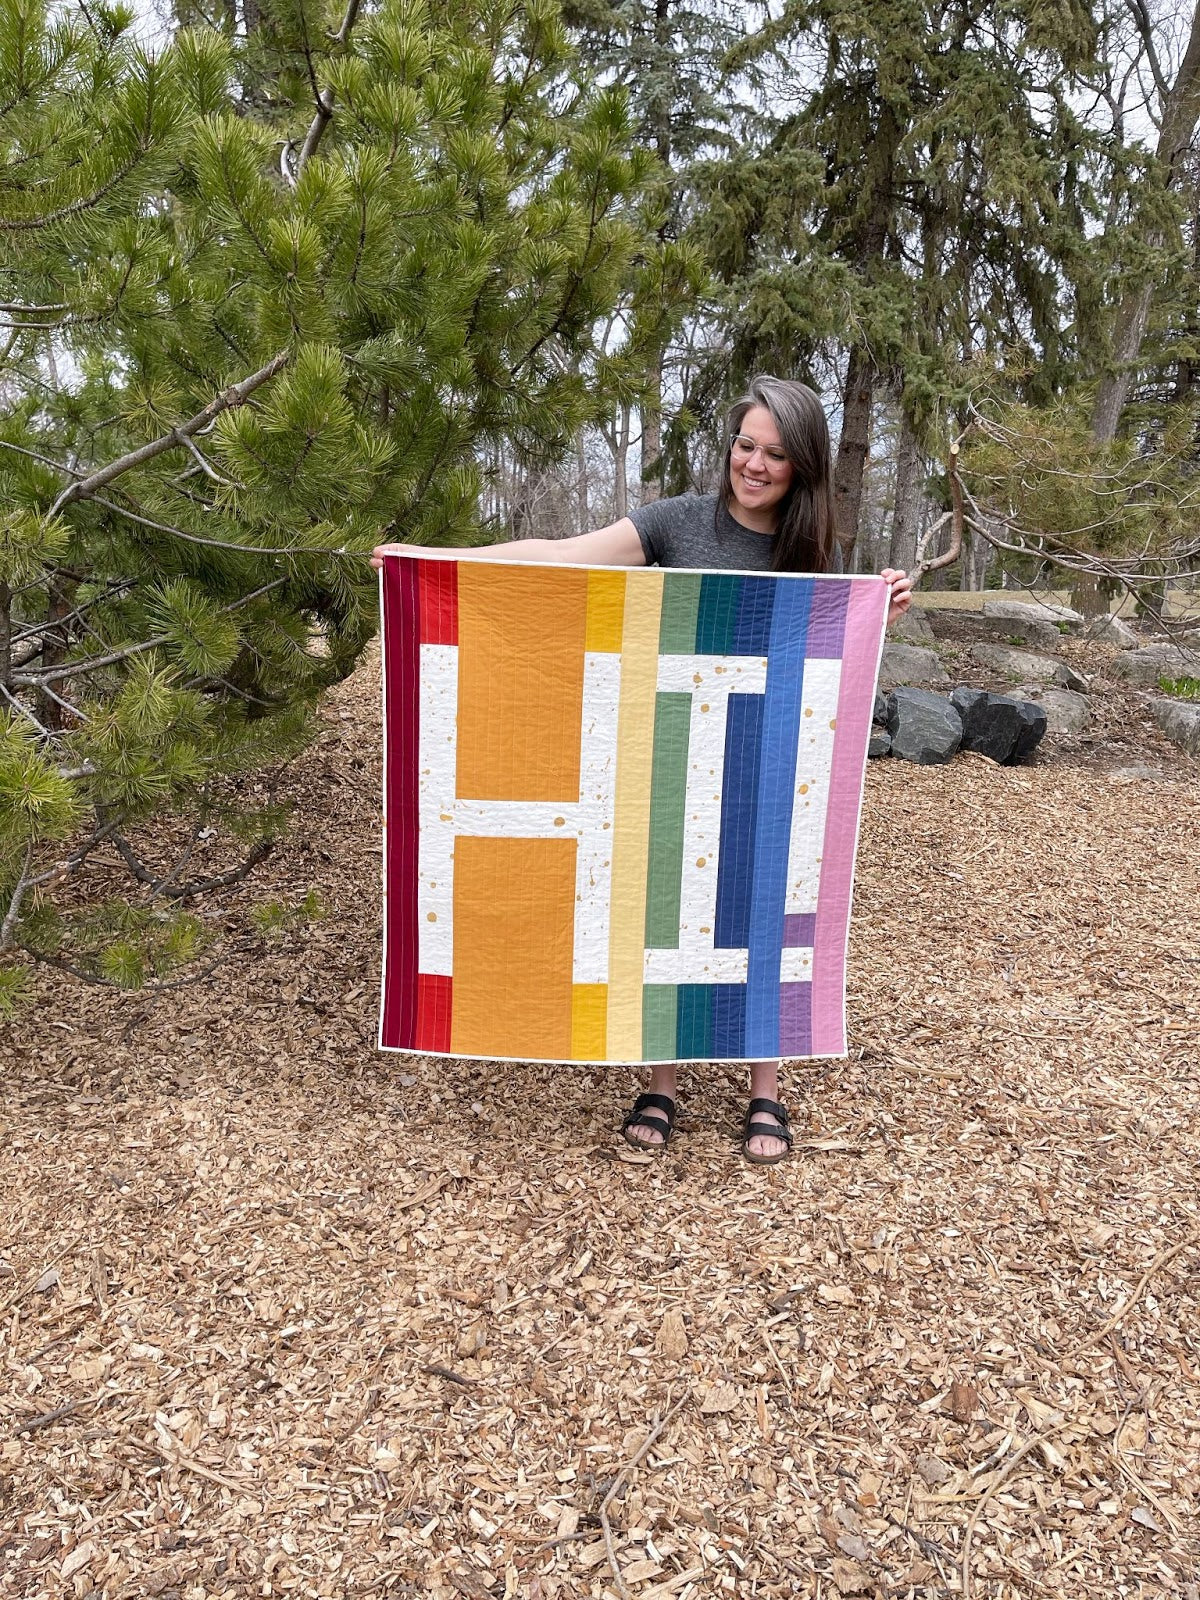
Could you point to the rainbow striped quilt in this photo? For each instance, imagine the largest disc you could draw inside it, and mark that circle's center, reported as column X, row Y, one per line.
column 621, row 809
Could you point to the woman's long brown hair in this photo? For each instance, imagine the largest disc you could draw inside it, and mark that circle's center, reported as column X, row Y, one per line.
column 804, row 537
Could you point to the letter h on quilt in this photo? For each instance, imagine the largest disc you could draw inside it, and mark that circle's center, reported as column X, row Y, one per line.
column 621, row 809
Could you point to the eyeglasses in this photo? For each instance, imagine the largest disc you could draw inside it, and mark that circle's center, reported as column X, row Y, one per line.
column 743, row 445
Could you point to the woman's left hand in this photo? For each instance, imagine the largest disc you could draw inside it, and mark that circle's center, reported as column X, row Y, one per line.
column 901, row 592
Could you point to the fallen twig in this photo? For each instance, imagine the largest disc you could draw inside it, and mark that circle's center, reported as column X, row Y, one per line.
column 436, row 1370
column 184, row 1464
column 16, row 1299
column 46, row 1418
column 1001, row 1478
column 631, row 1465
column 1122, row 1311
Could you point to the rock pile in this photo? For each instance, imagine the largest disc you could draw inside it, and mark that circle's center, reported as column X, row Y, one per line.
column 1016, row 640
column 918, row 725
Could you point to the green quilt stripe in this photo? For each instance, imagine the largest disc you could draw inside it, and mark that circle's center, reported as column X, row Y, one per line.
column 680, row 604
column 658, row 1021
column 668, row 791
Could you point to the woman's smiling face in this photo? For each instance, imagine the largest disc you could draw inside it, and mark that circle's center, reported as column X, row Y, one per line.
column 759, row 471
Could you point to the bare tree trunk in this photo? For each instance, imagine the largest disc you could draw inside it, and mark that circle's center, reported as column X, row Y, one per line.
column 652, row 435
column 1184, row 387
column 973, row 563
column 1180, row 112
column 55, row 642
column 5, row 633
column 621, row 468
column 852, row 447
column 902, row 548
column 582, row 522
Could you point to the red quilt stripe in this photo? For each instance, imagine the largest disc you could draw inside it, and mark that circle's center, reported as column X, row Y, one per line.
column 434, row 1010
column 402, row 711
column 439, row 601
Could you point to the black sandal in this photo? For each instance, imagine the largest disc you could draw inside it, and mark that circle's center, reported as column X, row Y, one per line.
column 638, row 1118
column 766, row 1130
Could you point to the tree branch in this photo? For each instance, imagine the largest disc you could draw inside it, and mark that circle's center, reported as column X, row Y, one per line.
column 60, row 965
column 955, row 518
column 221, row 880
column 1141, row 19
column 24, row 884
column 55, row 674
column 221, row 544
column 323, row 115
column 238, row 394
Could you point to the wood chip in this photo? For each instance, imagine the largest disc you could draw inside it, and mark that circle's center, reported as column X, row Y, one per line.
column 304, row 1289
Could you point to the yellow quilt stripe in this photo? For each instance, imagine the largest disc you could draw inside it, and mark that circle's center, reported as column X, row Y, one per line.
column 631, row 824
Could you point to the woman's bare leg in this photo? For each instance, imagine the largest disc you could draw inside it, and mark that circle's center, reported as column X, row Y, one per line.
column 662, row 1081
column 764, row 1085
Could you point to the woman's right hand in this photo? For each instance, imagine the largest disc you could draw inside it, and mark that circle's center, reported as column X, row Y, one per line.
column 382, row 550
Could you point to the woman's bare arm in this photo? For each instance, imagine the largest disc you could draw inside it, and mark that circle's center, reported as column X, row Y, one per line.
column 617, row 545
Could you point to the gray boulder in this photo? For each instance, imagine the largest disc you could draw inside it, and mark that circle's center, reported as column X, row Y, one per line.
column 1066, row 711
column 925, row 727
column 1137, row 774
column 880, row 745
column 908, row 664
column 1032, row 630
column 1022, row 666
column 1180, row 721
column 880, row 713
column 1034, row 718
column 1154, row 661
column 993, row 724
column 1112, row 630
column 912, row 628
column 1046, row 610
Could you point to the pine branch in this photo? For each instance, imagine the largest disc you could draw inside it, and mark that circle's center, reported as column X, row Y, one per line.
column 60, row 965
column 63, row 869
column 133, row 861
column 236, row 395
column 25, row 712
column 222, row 544
column 26, row 224
column 73, row 669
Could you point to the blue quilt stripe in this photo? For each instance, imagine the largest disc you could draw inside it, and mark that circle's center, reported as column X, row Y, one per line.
column 752, row 631
column 729, row 1019
column 779, row 744
column 739, row 808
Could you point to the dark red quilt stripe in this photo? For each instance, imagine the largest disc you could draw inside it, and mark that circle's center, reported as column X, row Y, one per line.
column 402, row 714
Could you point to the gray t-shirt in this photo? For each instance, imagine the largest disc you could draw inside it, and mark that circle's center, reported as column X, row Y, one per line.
column 697, row 530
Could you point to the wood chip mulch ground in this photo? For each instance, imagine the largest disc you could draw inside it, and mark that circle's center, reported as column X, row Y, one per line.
column 282, row 1316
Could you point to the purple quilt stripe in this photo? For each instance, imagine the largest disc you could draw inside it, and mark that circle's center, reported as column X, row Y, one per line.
column 827, row 619
column 799, row 930
column 402, row 715
column 795, row 1019
column 865, row 615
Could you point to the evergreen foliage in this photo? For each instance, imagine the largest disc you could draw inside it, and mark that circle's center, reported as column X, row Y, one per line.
column 264, row 298
column 925, row 205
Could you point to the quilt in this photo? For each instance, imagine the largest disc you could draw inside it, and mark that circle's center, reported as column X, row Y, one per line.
column 621, row 808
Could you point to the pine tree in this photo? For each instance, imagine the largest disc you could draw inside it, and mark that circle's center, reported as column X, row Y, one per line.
column 668, row 55
column 924, row 205
column 266, row 300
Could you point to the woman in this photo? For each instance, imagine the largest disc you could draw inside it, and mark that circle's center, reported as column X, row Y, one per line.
column 773, row 512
